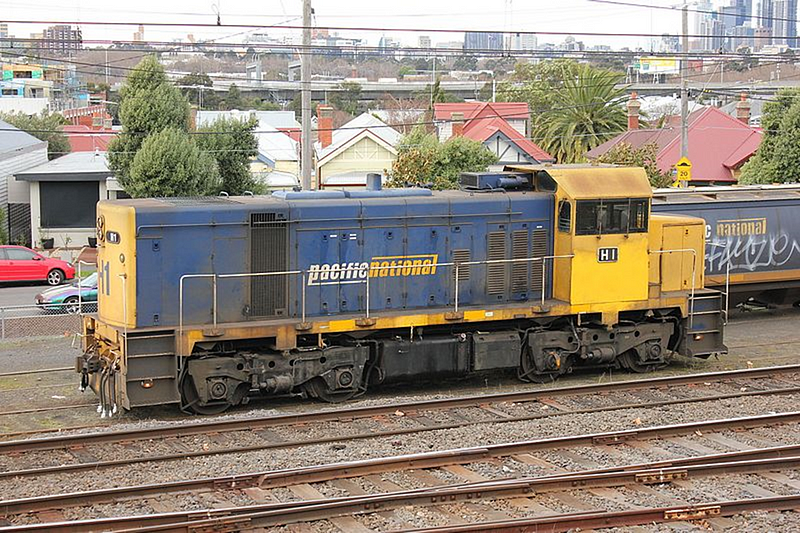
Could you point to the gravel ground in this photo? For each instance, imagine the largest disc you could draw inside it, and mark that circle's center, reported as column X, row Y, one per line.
column 755, row 340
column 380, row 447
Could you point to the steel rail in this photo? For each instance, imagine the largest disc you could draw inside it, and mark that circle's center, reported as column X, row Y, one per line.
column 635, row 517
column 326, row 472
column 274, row 514
column 242, row 424
column 42, row 371
column 98, row 465
column 44, row 409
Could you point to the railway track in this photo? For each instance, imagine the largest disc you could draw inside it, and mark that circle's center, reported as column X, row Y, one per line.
column 517, row 490
column 103, row 450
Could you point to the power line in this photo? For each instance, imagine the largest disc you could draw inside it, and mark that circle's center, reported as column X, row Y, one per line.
column 690, row 10
column 364, row 28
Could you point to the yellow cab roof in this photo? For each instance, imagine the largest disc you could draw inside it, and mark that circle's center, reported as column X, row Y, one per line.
column 583, row 182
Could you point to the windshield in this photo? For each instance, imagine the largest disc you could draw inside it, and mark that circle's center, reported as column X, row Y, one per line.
column 90, row 281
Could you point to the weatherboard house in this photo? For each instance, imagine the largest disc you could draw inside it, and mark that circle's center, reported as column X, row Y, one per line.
column 345, row 156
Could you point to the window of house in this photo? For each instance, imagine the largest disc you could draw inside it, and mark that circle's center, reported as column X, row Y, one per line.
column 68, row 204
column 564, row 216
column 604, row 217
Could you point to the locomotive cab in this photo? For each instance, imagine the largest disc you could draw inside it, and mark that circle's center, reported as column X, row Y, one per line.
column 601, row 234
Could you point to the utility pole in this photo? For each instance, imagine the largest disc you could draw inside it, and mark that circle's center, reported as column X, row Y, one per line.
column 305, row 97
column 684, row 82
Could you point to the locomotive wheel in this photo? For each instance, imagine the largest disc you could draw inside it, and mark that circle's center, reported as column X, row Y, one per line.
column 630, row 360
column 317, row 388
column 191, row 400
column 527, row 372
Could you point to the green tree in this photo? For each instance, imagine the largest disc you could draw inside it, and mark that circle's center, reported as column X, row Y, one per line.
column 435, row 94
column 3, row 226
column 466, row 62
column 169, row 163
column 149, row 104
column 778, row 122
column 234, row 99
column 232, row 144
column 644, row 156
column 191, row 87
column 423, row 160
column 348, row 97
column 588, row 111
column 537, row 84
column 45, row 126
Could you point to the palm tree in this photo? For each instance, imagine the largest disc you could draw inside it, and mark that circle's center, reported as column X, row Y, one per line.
column 589, row 112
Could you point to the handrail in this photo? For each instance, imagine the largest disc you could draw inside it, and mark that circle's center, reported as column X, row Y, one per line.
column 727, row 280
column 366, row 280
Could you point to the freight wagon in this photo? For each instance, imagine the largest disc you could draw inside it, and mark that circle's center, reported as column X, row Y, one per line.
column 753, row 233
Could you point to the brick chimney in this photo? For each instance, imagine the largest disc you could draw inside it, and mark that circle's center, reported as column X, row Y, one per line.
column 325, row 125
column 743, row 109
column 633, row 106
column 457, row 121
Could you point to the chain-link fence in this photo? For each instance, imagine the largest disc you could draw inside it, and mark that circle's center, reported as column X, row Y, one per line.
column 43, row 320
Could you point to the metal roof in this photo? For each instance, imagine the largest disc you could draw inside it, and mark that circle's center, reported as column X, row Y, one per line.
column 693, row 195
column 14, row 140
column 276, row 119
column 76, row 166
column 585, row 182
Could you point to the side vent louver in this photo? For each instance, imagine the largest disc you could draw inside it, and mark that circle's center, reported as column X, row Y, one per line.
column 496, row 273
column 539, row 250
column 520, row 269
column 461, row 256
column 268, row 253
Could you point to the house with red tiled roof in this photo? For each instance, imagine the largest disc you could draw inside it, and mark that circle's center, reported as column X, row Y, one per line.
column 83, row 138
column 719, row 144
column 500, row 126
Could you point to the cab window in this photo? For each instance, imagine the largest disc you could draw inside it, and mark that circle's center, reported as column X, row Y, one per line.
column 564, row 216
column 604, row 217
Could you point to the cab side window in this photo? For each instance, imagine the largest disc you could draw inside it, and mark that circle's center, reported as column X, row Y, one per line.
column 611, row 217
column 564, row 216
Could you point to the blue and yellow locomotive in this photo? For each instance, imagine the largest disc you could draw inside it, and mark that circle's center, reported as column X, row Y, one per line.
column 539, row 269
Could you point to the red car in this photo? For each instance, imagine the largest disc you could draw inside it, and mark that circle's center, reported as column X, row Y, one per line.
column 18, row 263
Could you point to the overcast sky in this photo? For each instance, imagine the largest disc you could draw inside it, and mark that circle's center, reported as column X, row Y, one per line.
column 538, row 15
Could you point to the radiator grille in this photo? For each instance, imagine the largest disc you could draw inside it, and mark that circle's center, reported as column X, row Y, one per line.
column 496, row 273
column 268, row 253
column 519, row 270
column 539, row 250
column 461, row 256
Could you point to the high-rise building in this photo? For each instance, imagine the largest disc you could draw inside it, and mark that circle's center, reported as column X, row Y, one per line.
column 784, row 24
column 424, row 41
column 779, row 16
column 4, row 42
column 522, row 41
column 62, row 39
column 479, row 41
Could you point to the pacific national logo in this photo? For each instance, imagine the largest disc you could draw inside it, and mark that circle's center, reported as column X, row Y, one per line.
column 744, row 226
column 377, row 267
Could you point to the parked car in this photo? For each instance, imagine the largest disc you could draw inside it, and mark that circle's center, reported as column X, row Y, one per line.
column 69, row 298
column 18, row 263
